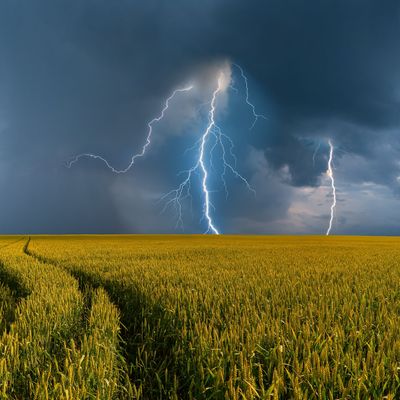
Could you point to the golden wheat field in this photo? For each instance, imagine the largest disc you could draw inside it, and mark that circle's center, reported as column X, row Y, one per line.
column 199, row 317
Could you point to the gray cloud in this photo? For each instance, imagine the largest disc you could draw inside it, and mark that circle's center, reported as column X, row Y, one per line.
column 87, row 76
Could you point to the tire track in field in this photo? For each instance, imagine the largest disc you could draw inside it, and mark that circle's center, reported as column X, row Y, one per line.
column 130, row 302
column 86, row 285
column 46, row 317
column 14, row 242
column 89, row 292
column 86, row 291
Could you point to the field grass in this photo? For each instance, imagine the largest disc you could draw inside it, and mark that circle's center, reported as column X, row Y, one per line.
column 199, row 317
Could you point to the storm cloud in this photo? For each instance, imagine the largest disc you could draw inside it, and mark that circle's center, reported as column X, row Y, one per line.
column 87, row 76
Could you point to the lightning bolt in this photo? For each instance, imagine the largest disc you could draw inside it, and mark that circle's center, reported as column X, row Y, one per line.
column 332, row 178
column 176, row 196
column 212, row 138
column 145, row 146
column 211, row 227
column 251, row 105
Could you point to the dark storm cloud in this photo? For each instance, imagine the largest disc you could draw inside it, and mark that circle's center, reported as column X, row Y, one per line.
column 324, row 63
column 86, row 76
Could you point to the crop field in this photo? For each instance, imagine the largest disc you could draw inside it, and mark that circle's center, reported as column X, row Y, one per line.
column 199, row 317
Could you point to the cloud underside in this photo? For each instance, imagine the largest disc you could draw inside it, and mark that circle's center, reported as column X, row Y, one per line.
column 88, row 76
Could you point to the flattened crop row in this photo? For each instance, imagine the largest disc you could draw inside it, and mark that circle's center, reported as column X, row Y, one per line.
column 50, row 351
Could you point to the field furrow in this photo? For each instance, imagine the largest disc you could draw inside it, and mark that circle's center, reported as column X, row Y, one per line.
column 55, row 348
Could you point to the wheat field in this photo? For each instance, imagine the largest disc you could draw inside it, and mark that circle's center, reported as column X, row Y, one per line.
column 199, row 317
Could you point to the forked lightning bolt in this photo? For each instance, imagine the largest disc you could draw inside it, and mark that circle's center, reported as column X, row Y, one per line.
column 176, row 196
column 251, row 105
column 332, row 178
column 145, row 146
column 212, row 138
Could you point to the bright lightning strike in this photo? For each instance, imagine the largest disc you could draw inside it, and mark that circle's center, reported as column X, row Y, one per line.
column 211, row 140
column 332, row 178
column 201, row 161
column 175, row 197
column 251, row 105
column 145, row 146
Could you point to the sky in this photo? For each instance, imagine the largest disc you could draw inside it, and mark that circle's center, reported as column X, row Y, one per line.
column 88, row 76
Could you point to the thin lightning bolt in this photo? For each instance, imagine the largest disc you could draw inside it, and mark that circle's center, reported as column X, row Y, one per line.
column 176, row 196
column 211, row 227
column 332, row 178
column 251, row 105
column 145, row 146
